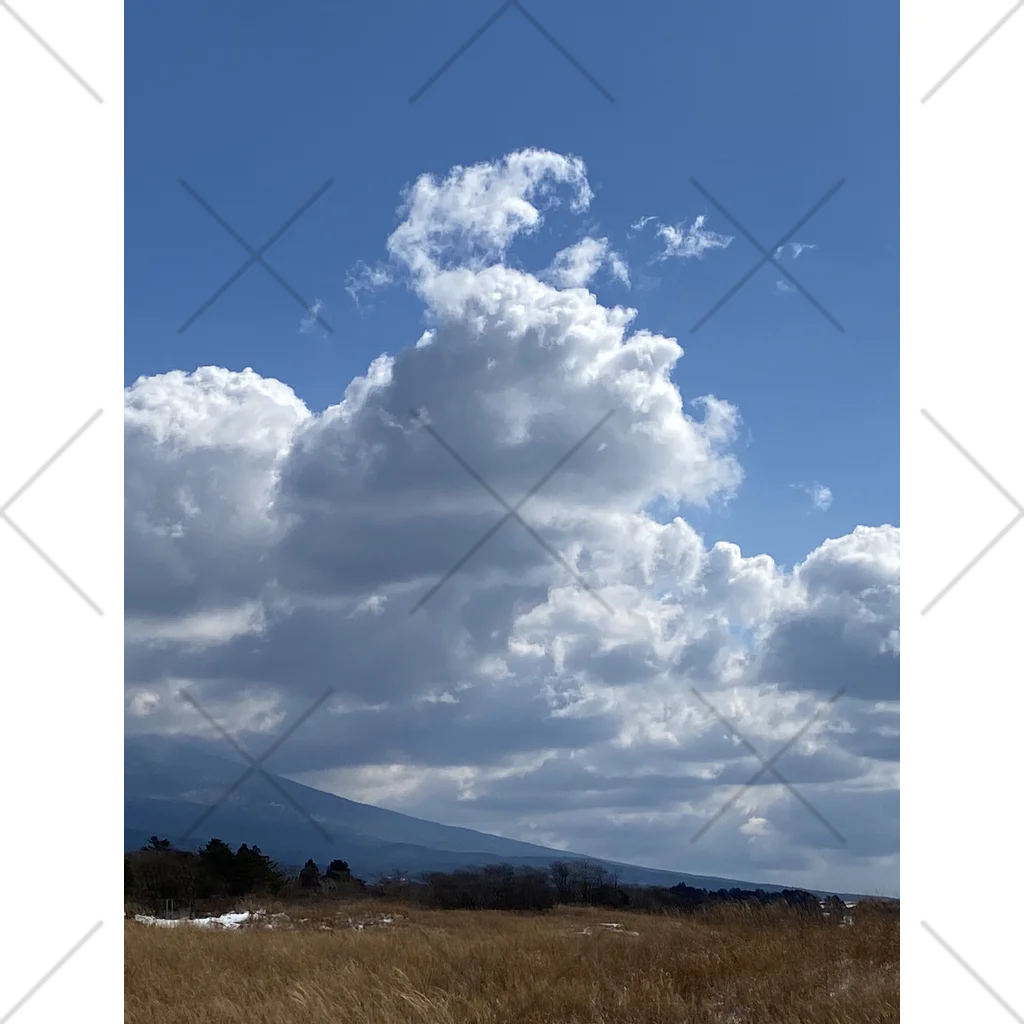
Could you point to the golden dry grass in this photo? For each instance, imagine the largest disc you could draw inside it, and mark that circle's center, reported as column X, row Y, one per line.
column 734, row 966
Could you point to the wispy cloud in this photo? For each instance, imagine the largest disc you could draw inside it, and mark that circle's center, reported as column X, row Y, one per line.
column 820, row 495
column 690, row 242
column 682, row 241
column 795, row 248
column 309, row 321
column 619, row 268
column 639, row 225
column 363, row 278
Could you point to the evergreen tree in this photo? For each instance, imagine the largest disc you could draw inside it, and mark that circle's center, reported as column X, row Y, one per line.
column 309, row 876
column 338, row 870
column 219, row 868
column 255, row 872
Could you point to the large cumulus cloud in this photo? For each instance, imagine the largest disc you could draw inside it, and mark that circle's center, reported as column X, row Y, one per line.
column 545, row 690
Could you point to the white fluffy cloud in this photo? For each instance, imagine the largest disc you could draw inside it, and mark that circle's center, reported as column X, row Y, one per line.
column 574, row 266
column 272, row 552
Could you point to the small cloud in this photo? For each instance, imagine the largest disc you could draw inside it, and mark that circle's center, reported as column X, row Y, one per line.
column 640, row 224
column 143, row 703
column 619, row 268
column 312, row 317
column 820, row 495
column 821, row 498
column 783, row 286
column 363, row 278
column 755, row 827
column 440, row 698
column 795, row 248
column 373, row 605
column 685, row 242
column 575, row 266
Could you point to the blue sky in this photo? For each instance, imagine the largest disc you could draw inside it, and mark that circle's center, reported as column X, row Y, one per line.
column 767, row 106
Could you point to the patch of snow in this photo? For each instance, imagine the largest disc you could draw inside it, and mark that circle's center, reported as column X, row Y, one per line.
column 367, row 922
column 234, row 920
column 282, row 920
column 613, row 927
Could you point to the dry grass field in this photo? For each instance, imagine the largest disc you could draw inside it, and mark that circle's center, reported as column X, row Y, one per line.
column 316, row 966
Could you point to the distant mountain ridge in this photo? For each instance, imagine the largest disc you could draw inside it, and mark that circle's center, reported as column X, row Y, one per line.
column 169, row 785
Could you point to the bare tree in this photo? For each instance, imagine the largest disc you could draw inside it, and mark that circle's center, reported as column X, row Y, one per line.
column 561, row 878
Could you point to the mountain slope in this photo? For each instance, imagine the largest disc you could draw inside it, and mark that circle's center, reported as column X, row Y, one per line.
column 170, row 786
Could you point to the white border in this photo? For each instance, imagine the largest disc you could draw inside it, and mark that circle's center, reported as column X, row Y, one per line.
column 61, row 262
column 962, row 220
column 61, row 338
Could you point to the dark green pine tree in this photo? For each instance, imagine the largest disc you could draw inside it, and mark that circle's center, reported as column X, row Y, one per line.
column 338, row 870
column 219, row 868
column 256, row 872
column 309, row 876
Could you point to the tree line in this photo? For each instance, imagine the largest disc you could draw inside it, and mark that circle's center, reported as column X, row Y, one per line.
column 574, row 882
column 159, row 873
